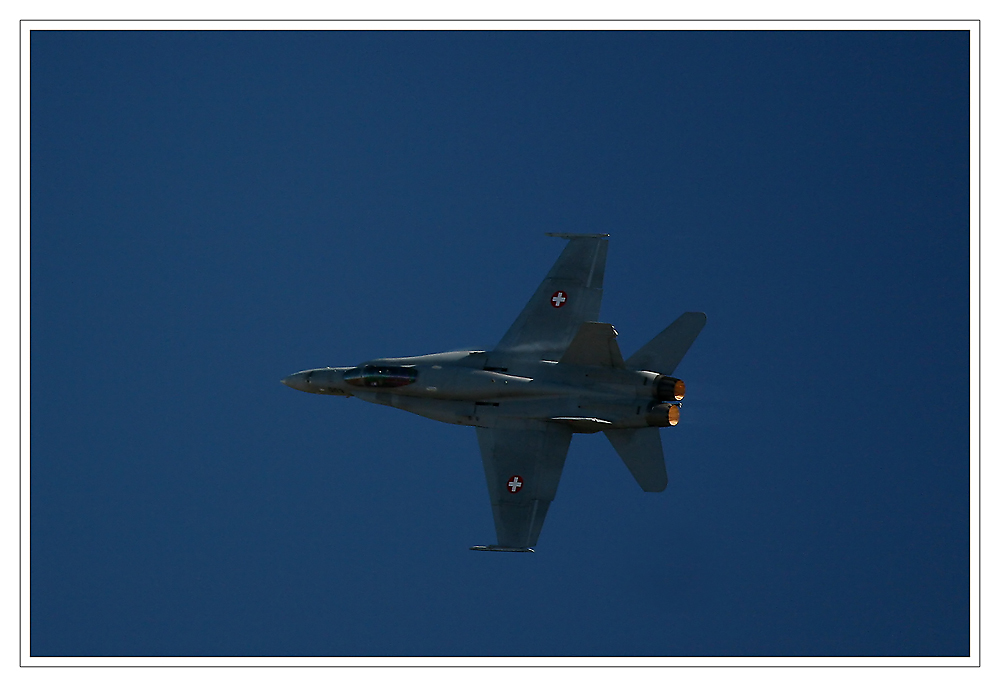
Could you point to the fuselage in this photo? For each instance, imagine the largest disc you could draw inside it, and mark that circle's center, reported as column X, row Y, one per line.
column 459, row 388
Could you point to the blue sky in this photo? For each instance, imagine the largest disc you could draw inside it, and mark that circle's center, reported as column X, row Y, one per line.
column 212, row 211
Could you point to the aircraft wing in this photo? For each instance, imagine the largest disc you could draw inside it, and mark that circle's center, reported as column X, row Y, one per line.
column 523, row 464
column 568, row 296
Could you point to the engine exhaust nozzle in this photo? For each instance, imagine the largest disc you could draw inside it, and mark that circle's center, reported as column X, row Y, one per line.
column 664, row 415
column 669, row 389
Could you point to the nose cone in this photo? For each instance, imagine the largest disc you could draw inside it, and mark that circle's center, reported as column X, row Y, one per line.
column 298, row 381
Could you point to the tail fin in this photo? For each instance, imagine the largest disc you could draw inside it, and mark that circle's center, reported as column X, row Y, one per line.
column 594, row 344
column 665, row 350
column 642, row 453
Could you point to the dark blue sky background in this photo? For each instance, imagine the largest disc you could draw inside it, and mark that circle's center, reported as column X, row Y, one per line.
column 211, row 211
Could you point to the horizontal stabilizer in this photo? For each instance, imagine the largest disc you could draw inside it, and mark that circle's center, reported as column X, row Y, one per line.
column 500, row 548
column 664, row 352
column 642, row 453
column 594, row 344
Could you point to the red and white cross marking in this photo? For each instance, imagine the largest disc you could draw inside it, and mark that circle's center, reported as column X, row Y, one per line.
column 559, row 299
column 514, row 484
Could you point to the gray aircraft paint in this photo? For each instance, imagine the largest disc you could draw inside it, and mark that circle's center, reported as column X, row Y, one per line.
column 557, row 371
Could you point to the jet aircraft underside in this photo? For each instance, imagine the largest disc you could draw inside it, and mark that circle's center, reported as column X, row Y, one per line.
column 556, row 372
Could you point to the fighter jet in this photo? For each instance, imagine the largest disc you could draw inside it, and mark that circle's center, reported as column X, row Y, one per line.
column 556, row 372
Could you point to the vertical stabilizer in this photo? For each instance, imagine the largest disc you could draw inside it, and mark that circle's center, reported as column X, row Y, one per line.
column 594, row 344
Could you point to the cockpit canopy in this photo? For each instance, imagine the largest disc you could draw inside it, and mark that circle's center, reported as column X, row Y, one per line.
column 380, row 376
